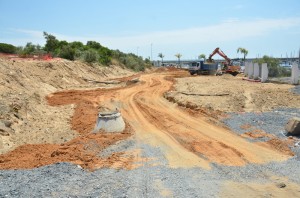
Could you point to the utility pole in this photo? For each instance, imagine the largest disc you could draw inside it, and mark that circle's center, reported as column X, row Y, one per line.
column 151, row 52
column 137, row 51
column 299, row 59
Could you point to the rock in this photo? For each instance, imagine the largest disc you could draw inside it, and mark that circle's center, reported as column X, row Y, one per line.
column 135, row 80
column 4, row 131
column 17, row 115
column 7, row 123
column 132, row 81
column 281, row 185
column 293, row 126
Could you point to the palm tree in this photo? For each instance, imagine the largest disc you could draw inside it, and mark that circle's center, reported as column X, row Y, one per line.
column 202, row 56
column 243, row 51
column 178, row 55
column 160, row 55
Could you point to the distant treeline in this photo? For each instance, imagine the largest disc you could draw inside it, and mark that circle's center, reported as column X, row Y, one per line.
column 91, row 52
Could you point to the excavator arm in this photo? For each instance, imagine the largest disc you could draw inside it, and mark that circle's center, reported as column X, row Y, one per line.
column 228, row 67
column 221, row 53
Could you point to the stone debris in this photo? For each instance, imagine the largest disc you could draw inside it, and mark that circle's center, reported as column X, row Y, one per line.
column 293, row 126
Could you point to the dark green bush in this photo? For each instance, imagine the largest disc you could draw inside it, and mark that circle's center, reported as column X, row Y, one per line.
column 67, row 52
column 7, row 48
column 90, row 56
column 92, row 52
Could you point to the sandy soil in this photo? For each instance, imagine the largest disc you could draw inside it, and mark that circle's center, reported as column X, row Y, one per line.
column 237, row 189
column 157, row 122
column 24, row 84
column 48, row 110
column 232, row 94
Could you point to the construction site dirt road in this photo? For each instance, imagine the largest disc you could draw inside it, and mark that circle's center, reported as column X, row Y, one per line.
column 187, row 139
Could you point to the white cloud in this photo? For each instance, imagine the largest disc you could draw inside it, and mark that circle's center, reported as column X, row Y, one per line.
column 226, row 31
column 32, row 33
column 230, row 30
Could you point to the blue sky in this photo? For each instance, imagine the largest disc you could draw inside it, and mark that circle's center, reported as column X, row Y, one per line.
column 189, row 27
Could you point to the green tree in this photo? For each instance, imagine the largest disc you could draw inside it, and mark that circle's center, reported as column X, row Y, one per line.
column 77, row 45
column 62, row 43
column 243, row 51
column 29, row 48
column 273, row 66
column 160, row 55
column 147, row 60
column 67, row 52
column 51, row 43
column 202, row 56
column 7, row 48
column 178, row 56
column 105, row 55
column 93, row 44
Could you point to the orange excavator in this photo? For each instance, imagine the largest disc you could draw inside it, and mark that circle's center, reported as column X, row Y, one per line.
column 228, row 66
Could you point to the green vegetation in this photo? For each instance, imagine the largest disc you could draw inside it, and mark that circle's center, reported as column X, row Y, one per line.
column 202, row 56
column 90, row 56
column 7, row 48
column 178, row 56
column 92, row 52
column 52, row 44
column 131, row 61
column 29, row 50
column 274, row 68
column 160, row 55
column 243, row 51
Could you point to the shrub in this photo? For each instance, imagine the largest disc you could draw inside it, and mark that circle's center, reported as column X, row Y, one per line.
column 133, row 62
column 7, row 48
column 274, row 68
column 93, row 44
column 67, row 52
column 90, row 56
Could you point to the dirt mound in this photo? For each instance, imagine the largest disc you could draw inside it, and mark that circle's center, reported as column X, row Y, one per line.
column 232, row 94
column 23, row 87
column 82, row 150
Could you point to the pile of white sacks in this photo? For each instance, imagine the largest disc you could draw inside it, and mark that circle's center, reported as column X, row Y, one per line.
column 255, row 72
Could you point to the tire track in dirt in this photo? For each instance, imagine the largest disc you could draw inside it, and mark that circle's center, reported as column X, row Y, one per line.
column 216, row 144
column 185, row 140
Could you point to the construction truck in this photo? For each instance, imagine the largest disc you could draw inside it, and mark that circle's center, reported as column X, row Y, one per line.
column 228, row 66
column 199, row 67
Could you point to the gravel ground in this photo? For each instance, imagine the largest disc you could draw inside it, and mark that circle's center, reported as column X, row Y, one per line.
column 272, row 122
column 296, row 89
column 68, row 180
column 154, row 179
